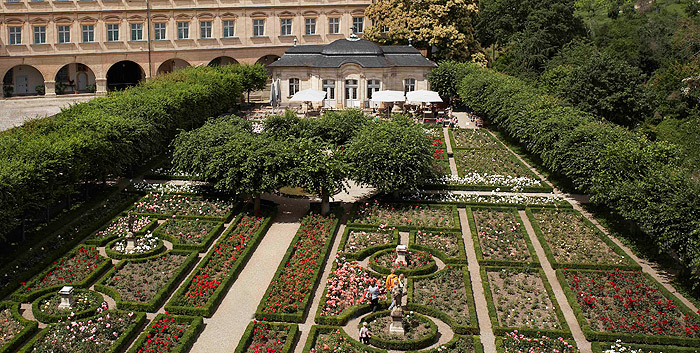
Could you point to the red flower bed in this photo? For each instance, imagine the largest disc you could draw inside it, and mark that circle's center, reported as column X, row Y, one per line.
column 69, row 269
column 287, row 290
column 438, row 147
column 628, row 302
column 163, row 335
column 268, row 338
column 217, row 267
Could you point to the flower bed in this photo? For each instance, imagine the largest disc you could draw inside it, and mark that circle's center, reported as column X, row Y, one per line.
column 494, row 167
column 289, row 294
column 144, row 284
column 519, row 200
column 570, row 240
column 345, row 292
column 119, row 227
column 472, row 138
column 268, row 337
column 328, row 339
column 620, row 347
column 377, row 214
column 521, row 298
column 446, row 295
column 515, row 342
column 488, row 182
column 78, row 268
column 629, row 306
column 359, row 243
column 447, row 246
column 189, row 234
column 206, row 286
column 420, row 331
column 14, row 329
column 169, row 334
column 418, row 263
column 458, row 344
column 144, row 245
column 108, row 332
column 165, row 205
column 500, row 238
column 45, row 308
column 440, row 158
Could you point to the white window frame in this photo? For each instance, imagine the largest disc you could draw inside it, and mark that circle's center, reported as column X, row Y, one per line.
column 205, row 29
column 63, row 32
column 373, row 85
column 294, row 86
column 361, row 20
column 183, row 30
column 333, row 25
column 258, row 27
column 160, row 31
column 409, row 84
column 136, row 32
column 87, row 33
column 112, row 30
column 14, row 35
column 41, row 32
column 228, row 28
column 286, row 26
column 310, row 26
column 329, row 87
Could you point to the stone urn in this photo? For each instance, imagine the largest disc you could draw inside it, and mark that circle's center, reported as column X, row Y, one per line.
column 396, row 326
column 401, row 255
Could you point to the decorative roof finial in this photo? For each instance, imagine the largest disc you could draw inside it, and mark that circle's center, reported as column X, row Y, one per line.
column 353, row 36
column 295, row 41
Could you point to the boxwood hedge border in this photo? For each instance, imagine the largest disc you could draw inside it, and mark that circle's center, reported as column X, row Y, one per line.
column 361, row 254
column 402, row 345
column 119, row 345
column 289, row 345
column 95, row 274
column 216, row 231
column 161, row 295
column 317, row 330
column 627, row 338
column 119, row 256
column 461, row 259
column 472, row 328
column 102, row 242
column 298, row 316
column 500, row 345
column 534, row 262
column 630, row 264
column 424, row 270
column 478, row 347
column 455, row 218
column 48, row 318
column 493, row 314
column 269, row 213
column 185, row 341
column 30, row 327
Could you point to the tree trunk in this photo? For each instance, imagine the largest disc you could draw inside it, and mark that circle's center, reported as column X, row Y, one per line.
column 248, row 97
column 325, row 202
column 256, row 205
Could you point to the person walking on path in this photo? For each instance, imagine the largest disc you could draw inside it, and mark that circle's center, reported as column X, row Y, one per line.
column 390, row 280
column 364, row 333
column 372, row 293
column 397, row 292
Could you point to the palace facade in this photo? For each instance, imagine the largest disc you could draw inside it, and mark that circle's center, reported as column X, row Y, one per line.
column 63, row 46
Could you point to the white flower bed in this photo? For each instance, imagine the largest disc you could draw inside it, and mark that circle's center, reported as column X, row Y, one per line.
column 142, row 244
column 494, row 198
column 489, row 180
column 183, row 187
column 618, row 347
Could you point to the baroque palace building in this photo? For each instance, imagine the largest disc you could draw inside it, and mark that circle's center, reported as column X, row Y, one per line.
column 66, row 46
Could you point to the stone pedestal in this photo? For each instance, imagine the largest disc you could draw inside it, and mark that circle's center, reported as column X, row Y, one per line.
column 401, row 252
column 67, row 299
column 101, row 86
column 396, row 326
column 130, row 241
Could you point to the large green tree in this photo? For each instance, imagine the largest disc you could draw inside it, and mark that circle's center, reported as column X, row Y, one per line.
column 445, row 24
column 319, row 168
column 253, row 77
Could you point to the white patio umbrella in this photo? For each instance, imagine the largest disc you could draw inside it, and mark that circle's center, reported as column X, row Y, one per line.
column 309, row 95
column 423, row 96
column 388, row 97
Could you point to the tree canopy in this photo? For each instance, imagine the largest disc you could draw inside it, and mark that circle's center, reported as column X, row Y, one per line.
column 253, row 77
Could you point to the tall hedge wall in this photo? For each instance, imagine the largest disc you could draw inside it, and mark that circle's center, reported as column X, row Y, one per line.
column 42, row 160
column 640, row 179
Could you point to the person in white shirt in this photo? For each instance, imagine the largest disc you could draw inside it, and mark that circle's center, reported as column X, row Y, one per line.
column 364, row 333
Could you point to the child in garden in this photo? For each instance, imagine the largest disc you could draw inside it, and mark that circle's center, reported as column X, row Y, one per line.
column 364, row 333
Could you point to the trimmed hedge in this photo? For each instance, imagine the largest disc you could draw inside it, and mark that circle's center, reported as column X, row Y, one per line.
column 460, row 259
column 159, row 298
column 225, row 218
column 493, row 314
column 630, row 264
column 67, row 226
column 119, row 256
column 423, row 270
column 631, row 338
column 21, row 297
column 198, row 247
column 184, row 342
column 317, row 330
column 472, row 328
column 208, row 310
column 599, row 347
column 455, row 218
column 29, row 328
column 361, row 254
column 300, row 314
column 103, row 241
column 288, row 347
column 48, row 318
column 119, row 345
column 478, row 347
column 477, row 245
column 402, row 345
column 42, row 160
column 641, row 180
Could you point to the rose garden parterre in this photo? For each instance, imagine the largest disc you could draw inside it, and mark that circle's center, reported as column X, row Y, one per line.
column 168, row 205
column 501, row 236
column 408, row 216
